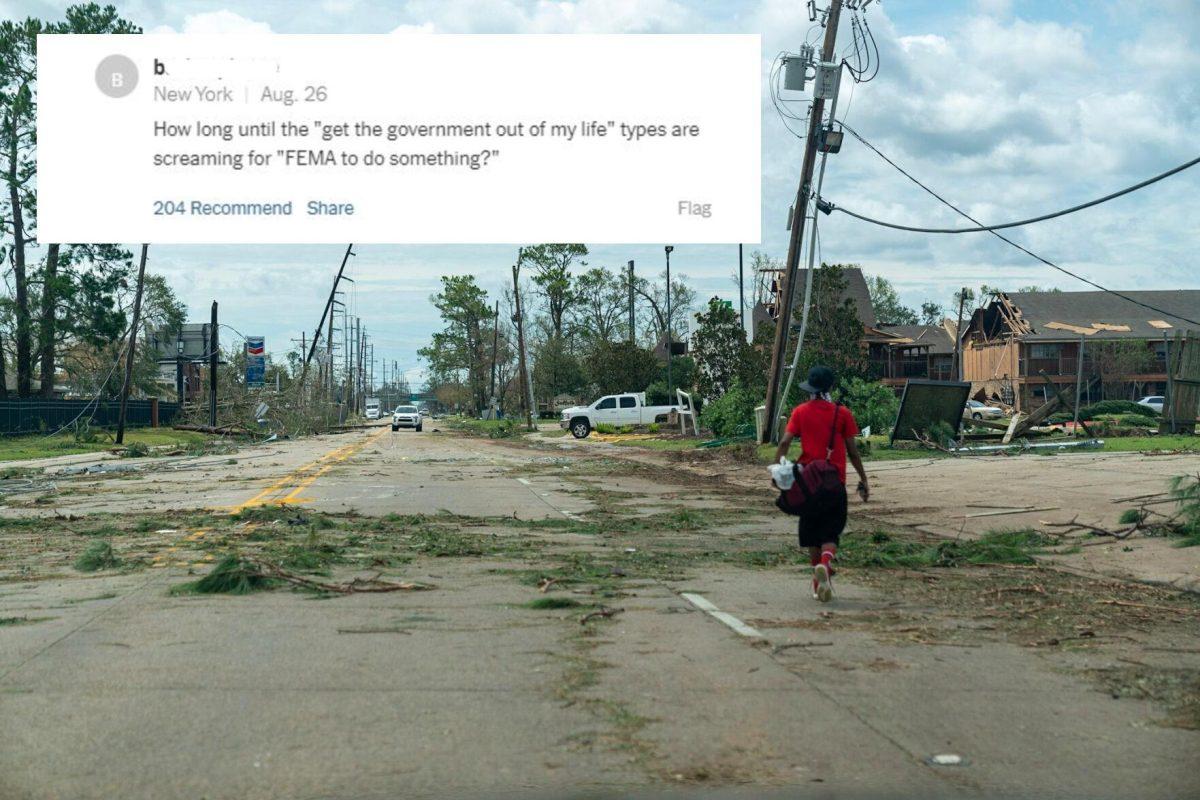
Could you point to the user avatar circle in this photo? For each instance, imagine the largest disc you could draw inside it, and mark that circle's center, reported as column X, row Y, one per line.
column 117, row 76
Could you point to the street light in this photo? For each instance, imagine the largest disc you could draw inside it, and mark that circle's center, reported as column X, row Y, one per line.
column 670, row 345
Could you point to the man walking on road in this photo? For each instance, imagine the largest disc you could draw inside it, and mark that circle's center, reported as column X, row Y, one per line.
column 814, row 422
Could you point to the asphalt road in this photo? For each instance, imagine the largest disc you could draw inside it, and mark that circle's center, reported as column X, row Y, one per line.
column 723, row 679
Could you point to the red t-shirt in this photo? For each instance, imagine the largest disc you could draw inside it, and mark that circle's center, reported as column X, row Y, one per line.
column 813, row 423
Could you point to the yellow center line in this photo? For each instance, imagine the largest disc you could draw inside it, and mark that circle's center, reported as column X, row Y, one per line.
column 287, row 489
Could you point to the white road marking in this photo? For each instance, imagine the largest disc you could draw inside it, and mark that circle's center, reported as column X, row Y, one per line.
column 542, row 495
column 716, row 613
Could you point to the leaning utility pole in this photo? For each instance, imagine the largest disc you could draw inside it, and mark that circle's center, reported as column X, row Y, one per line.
column 137, row 311
column 321, row 324
column 214, row 354
column 799, row 213
column 526, row 383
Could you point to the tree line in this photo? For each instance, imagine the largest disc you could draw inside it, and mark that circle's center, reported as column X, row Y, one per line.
column 580, row 344
column 66, row 308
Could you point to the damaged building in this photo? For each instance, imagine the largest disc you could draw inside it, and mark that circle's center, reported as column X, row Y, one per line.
column 1015, row 339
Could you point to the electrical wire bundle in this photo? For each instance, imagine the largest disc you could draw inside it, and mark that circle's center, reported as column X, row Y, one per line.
column 866, row 50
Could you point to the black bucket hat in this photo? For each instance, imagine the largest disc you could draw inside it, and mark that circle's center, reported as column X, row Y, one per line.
column 820, row 380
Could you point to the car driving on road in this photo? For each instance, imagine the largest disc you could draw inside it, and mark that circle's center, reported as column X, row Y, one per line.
column 406, row 417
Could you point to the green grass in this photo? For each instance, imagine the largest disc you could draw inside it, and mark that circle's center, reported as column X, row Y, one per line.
column 22, row 448
column 661, row 444
column 1119, row 444
column 880, row 450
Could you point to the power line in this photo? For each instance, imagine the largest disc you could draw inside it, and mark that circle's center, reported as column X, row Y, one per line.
column 1018, row 223
column 1004, row 238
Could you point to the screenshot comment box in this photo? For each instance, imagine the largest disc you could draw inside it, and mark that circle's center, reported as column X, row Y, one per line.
column 399, row 138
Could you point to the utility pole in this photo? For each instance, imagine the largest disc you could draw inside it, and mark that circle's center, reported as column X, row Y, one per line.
column 632, row 328
column 1078, row 384
column 527, row 384
column 962, row 299
column 137, row 311
column 799, row 213
column 321, row 324
column 670, row 345
column 329, row 353
column 741, row 292
column 354, row 371
column 213, row 360
column 360, row 366
column 495, row 352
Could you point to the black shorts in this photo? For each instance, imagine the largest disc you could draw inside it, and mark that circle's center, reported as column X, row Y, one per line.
column 824, row 526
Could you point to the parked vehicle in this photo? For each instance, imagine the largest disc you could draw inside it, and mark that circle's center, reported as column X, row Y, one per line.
column 424, row 411
column 977, row 410
column 407, row 417
column 373, row 408
column 613, row 409
column 1154, row 402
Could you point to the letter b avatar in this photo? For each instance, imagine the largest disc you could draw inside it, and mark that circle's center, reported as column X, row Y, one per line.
column 117, row 76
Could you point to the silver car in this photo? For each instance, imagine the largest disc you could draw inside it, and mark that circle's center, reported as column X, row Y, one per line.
column 977, row 410
column 406, row 417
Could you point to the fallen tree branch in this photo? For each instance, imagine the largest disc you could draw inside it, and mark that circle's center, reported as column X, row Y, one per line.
column 1127, row 604
column 268, row 570
column 604, row 612
column 780, row 648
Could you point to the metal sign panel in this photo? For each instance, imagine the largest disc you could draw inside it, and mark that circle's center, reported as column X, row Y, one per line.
column 256, row 361
column 926, row 403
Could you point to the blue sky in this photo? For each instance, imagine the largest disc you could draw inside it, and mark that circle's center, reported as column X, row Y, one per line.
column 1006, row 108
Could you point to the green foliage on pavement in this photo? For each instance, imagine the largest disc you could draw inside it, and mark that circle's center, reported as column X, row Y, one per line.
column 97, row 556
column 884, row 550
column 546, row 603
column 232, row 575
column 505, row 428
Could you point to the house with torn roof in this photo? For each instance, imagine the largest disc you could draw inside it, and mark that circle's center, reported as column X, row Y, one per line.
column 900, row 352
column 1015, row 338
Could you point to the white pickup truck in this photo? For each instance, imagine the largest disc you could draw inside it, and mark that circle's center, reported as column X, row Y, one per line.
column 615, row 410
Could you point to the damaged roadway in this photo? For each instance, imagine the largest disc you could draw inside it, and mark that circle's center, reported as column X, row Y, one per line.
column 1043, row 680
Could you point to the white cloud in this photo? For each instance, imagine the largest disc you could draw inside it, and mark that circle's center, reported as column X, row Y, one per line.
column 223, row 21
column 424, row 27
column 554, row 16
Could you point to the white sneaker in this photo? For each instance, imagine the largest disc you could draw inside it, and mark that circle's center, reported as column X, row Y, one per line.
column 824, row 591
